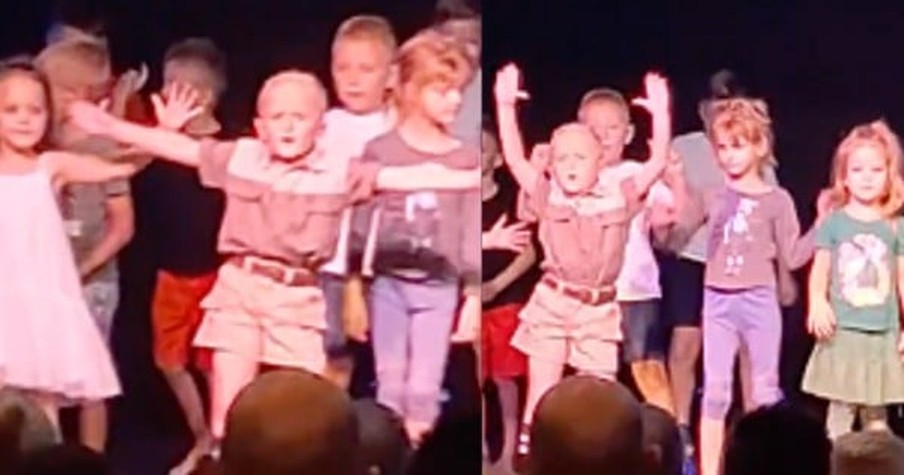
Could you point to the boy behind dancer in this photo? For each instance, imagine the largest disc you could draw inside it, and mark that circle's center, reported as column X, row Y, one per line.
column 99, row 216
column 363, row 54
column 183, row 221
column 284, row 207
column 606, row 112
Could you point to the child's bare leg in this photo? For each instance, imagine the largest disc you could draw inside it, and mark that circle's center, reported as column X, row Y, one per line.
column 189, row 397
column 683, row 354
column 542, row 375
column 746, row 379
column 93, row 425
column 49, row 403
column 839, row 419
column 652, row 380
column 874, row 418
column 712, row 438
column 231, row 373
column 508, row 403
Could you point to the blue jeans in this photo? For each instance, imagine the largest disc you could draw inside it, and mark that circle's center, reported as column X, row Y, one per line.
column 411, row 323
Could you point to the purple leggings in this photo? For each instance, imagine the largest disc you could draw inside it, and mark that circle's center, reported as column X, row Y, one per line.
column 730, row 317
column 411, row 324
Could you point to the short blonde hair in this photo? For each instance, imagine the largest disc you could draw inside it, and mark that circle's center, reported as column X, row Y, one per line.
column 79, row 61
column 203, row 52
column 743, row 119
column 874, row 134
column 368, row 28
column 577, row 128
column 605, row 95
column 868, row 453
column 302, row 79
column 430, row 57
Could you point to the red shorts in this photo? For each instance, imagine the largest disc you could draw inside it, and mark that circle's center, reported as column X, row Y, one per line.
column 176, row 314
column 498, row 357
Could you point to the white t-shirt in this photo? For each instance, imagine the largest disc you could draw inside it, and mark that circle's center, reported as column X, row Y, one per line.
column 344, row 137
column 639, row 276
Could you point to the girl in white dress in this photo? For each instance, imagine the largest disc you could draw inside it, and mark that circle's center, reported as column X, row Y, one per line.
column 50, row 348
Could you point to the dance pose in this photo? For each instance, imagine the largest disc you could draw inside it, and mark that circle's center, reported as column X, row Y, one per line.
column 584, row 212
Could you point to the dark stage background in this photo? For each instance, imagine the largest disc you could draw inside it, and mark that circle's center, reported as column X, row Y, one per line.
column 822, row 68
column 259, row 38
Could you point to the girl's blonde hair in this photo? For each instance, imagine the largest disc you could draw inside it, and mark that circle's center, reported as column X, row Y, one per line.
column 743, row 119
column 430, row 57
column 875, row 134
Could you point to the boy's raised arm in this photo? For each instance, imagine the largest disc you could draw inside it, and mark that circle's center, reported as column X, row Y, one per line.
column 507, row 94
column 656, row 102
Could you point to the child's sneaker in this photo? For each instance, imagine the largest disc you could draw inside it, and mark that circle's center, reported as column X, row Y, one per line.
column 519, row 459
column 690, row 466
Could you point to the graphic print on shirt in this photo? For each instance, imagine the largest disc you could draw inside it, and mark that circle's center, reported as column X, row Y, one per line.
column 422, row 216
column 736, row 235
column 864, row 272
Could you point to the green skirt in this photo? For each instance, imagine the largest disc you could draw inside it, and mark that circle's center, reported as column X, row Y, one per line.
column 857, row 367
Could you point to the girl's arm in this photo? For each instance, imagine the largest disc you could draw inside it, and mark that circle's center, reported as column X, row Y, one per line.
column 793, row 248
column 507, row 94
column 70, row 167
column 427, row 176
column 820, row 317
column 900, row 259
column 818, row 284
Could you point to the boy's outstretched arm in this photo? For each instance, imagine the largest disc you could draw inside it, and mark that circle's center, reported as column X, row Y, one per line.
column 159, row 142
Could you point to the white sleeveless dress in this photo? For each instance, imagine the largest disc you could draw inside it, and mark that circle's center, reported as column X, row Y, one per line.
column 48, row 340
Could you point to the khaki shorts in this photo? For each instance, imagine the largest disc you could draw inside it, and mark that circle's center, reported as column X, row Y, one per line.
column 264, row 320
column 563, row 330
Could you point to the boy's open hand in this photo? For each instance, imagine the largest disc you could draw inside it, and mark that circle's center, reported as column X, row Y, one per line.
column 656, row 98
column 176, row 106
column 91, row 118
column 508, row 86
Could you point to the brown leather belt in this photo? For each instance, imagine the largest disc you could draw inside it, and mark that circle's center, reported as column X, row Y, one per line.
column 290, row 276
column 586, row 296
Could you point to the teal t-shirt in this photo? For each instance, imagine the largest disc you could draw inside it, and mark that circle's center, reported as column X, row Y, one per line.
column 863, row 281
